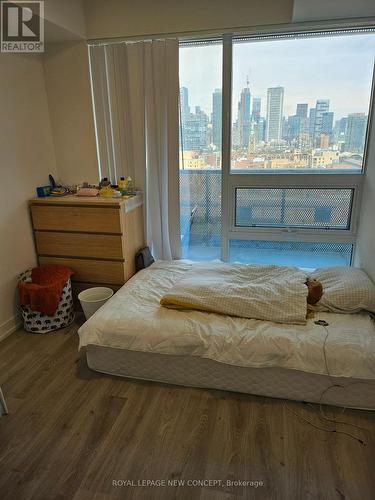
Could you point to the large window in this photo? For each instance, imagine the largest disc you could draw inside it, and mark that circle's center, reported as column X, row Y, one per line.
column 301, row 103
column 200, row 150
column 271, row 160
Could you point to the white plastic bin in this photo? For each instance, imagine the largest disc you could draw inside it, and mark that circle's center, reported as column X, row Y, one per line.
column 93, row 298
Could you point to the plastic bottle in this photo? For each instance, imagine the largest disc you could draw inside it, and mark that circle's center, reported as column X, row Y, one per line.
column 129, row 185
column 104, row 182
column 121, row 183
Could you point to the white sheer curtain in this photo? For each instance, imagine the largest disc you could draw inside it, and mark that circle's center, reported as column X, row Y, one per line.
column 135, row 96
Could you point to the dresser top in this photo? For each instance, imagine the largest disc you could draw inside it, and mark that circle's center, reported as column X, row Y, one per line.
column 88, row 201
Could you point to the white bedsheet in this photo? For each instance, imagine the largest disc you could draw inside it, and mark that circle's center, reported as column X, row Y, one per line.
column 133, row 319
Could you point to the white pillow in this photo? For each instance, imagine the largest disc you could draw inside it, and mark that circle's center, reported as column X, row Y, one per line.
column 346, row 290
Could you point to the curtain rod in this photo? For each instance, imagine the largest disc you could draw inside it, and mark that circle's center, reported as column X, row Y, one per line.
column 355, row 23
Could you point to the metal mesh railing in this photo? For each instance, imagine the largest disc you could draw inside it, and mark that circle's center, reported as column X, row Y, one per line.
column 293, row 207
column 200, row 206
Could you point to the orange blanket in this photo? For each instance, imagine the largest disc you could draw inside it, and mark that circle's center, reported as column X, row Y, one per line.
column 43, row 294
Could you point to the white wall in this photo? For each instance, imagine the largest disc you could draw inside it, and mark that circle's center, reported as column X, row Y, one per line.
column 67, row 15
column 365, row 254
column 67, row 77
column 37, row 127
column 26, row 159
column 120, row 18
column 317, row 10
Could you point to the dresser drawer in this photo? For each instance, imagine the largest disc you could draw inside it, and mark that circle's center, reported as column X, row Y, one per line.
column 67, row 218
column 91, row 270
column 100, row 246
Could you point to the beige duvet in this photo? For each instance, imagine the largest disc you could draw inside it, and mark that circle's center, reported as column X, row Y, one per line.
column 271, row 293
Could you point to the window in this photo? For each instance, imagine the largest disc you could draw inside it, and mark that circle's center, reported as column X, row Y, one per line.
column 200, row 150
column 301, row 102
column 271, row 161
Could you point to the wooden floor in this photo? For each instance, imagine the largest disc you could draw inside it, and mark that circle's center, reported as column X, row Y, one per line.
column 76, row 434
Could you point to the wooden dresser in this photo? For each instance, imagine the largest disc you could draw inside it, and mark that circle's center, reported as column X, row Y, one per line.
column 96, row 237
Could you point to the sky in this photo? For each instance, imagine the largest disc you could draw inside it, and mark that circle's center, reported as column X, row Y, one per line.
column 338, row 68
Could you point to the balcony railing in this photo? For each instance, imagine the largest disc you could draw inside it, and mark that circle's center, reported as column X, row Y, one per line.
column 200, row 206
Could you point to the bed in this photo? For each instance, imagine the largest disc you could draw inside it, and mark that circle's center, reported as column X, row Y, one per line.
column 133, row 336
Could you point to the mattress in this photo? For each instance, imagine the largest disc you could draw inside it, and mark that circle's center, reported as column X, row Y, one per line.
column 132, row 335
column 190, row 371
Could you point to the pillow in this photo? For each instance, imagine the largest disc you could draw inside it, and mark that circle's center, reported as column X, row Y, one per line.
column 345, row 290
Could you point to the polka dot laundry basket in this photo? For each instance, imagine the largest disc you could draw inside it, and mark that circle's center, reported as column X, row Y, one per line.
column 37, row 322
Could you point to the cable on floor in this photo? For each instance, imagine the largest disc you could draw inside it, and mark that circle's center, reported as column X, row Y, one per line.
column 325, row 324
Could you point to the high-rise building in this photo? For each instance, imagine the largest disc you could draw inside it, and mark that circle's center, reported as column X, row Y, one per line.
column 256, row 130
column 302, row 121
column 302, row 110
column 312, row 122
column 235, row 134
column 184, row 104
column 244, row 117
column 294, row 127
column 324, row 141
column 343, row 124
column 322, row 106
column 256, row 125
column 339, row 130
column 275, row 102
column 262, row 129
column 216, row 117
column 285, row 128
column 195, row 131
column 327, row 123
column 356, row 132
column 255, row 112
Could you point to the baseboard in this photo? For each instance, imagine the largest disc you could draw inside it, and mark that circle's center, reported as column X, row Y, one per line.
column 10, row 326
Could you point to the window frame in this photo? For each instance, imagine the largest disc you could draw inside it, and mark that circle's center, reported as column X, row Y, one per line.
column 231, row 180
column 294, row 226
column 336, row 181
column 290, row 181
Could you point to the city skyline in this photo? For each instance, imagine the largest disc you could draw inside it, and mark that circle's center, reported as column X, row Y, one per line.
column 310, row 138
column 313, row 121
column 315, row 71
